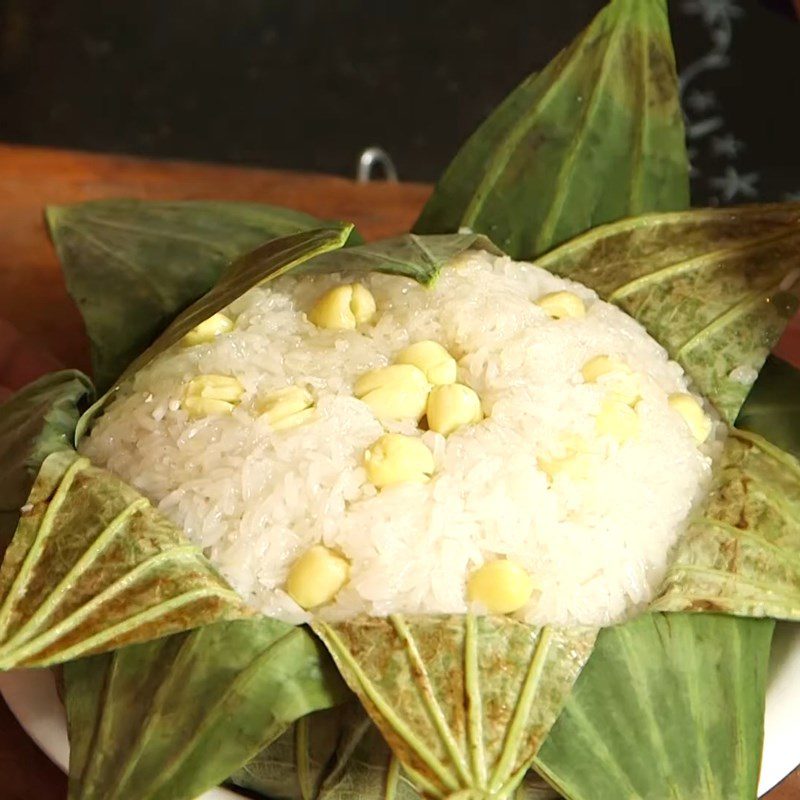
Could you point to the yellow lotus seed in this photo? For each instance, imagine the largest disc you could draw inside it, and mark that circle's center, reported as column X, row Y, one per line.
column 288, row 407
column 562, row 305
column 332, row 310
column 435, row 362
column 208, row 330
column 395, row 458
column 343, row 307
column 617, row 419
column 212, row 394
column 206, row 406
column 692, row 412
column 501, row 586
column 575, row 466
column 618, row 377
column 451, row 406
column 396, row 392
column 294, row 420
column 362, row 304
column 316, row 577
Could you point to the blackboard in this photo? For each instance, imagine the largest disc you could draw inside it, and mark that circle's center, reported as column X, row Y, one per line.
column 307, row 84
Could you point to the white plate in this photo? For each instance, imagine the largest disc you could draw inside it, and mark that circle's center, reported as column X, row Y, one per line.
column 31, row 696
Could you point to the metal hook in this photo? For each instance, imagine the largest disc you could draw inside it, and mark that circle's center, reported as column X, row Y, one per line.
column 375, row 157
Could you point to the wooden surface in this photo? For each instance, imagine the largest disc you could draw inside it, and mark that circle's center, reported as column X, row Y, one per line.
column 32, row 292
column 34, row 300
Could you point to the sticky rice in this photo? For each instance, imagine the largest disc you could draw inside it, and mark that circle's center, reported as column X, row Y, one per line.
column 256, row 498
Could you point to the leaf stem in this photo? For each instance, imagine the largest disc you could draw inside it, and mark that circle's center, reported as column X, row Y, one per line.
column 37, row 545
column 428, row 697
column 392, row 778
column 712, row 259
column 474, row 702
column 69, row 580
column 516, row 730
column 346, row 659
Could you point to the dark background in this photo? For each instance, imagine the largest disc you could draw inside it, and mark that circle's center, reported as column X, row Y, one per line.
column 307, row 84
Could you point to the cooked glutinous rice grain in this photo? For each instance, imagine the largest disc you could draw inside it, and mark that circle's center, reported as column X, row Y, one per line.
column 256, row 498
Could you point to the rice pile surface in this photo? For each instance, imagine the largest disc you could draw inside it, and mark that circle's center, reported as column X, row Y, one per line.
column 257, row 498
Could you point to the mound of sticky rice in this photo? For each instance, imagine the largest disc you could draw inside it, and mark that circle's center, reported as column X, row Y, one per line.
column 256, row 498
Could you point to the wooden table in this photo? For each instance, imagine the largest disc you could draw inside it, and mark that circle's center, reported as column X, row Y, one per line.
column 33, row 298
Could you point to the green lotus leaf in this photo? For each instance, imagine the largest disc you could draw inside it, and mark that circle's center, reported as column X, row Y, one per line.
column 596, row 136
column 418, row 257
column 132, row 265
column 645, row 265
column 415, row 256
column 94, row 566
column 742, row 554
column 270, row 260
column 464, row 702
column 669, row 705
column 425, row 269
column 37, row 421
column 175, row 716
column 772, row 408
column 338, row 754
column 713, row 286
